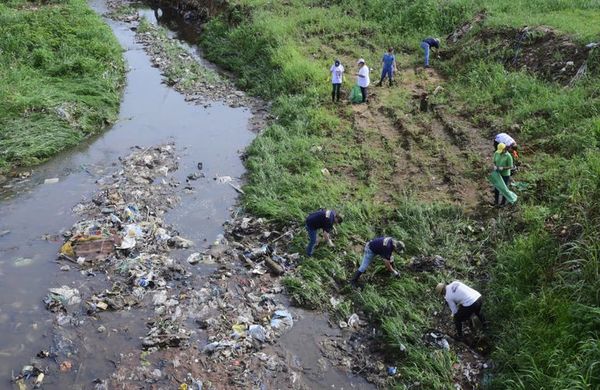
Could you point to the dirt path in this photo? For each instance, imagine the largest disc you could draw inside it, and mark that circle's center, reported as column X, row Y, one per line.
column 429, row 151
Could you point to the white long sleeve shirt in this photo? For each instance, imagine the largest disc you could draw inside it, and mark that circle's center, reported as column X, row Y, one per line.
column 505, row 139
column 363, row 79
column 458, row 293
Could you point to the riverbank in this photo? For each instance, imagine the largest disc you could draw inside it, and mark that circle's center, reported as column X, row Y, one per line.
column 420, row 176
column 61, row 82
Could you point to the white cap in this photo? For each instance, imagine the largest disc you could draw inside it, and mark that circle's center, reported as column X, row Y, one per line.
column 360, row 61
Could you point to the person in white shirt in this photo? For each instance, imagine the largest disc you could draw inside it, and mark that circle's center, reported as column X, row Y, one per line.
column 337, row 77
column 463, row 302
column 362, row 78
column 503, row 138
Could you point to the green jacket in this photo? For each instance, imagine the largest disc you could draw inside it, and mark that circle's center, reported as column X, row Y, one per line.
column 503, row 160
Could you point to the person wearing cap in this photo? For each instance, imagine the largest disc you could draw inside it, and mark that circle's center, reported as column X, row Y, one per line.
column 380, row 246
column 389, row 67
column 503, row 163
column 362, row 78
column 321, row 219
column 426, row 45
column 511, row 144
column 463, row 302
column 337, row 77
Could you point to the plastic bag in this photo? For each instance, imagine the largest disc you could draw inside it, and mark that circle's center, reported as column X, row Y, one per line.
column 496, row 179
column 356, row 95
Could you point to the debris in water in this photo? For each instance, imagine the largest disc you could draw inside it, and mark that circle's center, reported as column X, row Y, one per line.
column 282, row 319
column 23, row 262
column 194, row 258
column 223, row 179
column 51, row 181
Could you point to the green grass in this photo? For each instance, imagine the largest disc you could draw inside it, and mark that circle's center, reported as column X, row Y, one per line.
column 60, row 81
column 543, row 294
column 181, row 69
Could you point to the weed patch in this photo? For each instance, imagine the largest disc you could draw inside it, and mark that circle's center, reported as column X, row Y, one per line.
column 60, row 80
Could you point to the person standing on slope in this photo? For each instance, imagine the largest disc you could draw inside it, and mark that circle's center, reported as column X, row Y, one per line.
column 511, row 144
column 463, row 302
column 362, row 79
column 322, row 219
column 388, row 63
column 380, row 246
column 503, row 163
column 426, row 45
column 337, row 77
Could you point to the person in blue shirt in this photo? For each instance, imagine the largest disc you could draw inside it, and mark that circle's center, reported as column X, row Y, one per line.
column 426, row 45
column 381, row 246
column 388, row 63
column 322, row 219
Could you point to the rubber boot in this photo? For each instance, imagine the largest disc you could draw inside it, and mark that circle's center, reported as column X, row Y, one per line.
column 354, row 280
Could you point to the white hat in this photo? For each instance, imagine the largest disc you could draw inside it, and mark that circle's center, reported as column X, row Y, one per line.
column 360, row 61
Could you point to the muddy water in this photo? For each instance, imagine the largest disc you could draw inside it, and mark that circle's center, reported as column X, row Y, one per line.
column 151, row 113
column 35, row 214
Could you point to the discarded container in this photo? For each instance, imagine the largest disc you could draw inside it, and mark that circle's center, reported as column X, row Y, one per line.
column 38, row 380
column 131, row 213
column 143, row 282
column 392, row 370
column 274, row 267
column 23, row 262
column 194, row 258
column 354, row 321
column 223, row 179
column 282, row 319
column 54, row 180
column 258, row 332
column 239, row 330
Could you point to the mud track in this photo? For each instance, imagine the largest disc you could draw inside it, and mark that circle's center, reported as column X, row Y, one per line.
column 430, row 152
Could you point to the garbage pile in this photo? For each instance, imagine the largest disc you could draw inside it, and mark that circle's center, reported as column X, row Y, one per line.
column 124, row 235
column 199, row 84
column 229, row 319
column 237, row 311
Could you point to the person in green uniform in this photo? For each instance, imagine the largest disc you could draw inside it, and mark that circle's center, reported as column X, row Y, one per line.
column 503, row 163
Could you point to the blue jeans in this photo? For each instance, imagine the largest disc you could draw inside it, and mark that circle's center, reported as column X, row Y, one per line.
column 425, row 46
column 367, row 258
column 389, row 72
column 312, row 240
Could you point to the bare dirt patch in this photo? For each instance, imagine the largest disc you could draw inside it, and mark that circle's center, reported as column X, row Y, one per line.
column 428, row 151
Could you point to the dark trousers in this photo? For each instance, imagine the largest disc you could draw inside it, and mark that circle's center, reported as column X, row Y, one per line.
column 364, row 92
column 497, row 193
column 389, row 73
column 312, row 240
column 465, row 313
column 496, row 143
column 335, row 92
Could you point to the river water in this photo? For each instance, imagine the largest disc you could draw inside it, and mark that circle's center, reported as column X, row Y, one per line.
column 35, row 214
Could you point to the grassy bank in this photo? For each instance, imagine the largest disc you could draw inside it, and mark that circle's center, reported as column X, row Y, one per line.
column 61, row 74
column 541, row 258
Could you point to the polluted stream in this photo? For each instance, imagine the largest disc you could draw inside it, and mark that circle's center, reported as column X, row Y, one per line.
column 101, row 330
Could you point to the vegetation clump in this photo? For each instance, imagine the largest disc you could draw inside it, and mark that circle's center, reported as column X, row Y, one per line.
column 61, row 74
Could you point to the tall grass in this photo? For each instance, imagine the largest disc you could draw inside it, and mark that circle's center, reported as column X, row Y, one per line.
column 61, row 74
column 542, row 259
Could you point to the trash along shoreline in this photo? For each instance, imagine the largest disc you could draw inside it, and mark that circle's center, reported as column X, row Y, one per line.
column 209, row 331
column 202, row 319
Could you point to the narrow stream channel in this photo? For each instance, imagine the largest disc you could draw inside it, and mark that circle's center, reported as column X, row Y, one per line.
column 35, row 214
column 151, row 113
